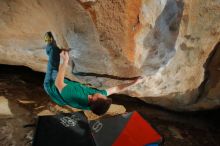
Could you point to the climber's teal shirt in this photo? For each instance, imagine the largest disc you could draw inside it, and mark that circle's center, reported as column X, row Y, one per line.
column 54, row 94
column 76, row 94
column 73, row 94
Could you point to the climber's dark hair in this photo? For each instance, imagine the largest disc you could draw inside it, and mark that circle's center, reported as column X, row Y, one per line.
column 100, row 106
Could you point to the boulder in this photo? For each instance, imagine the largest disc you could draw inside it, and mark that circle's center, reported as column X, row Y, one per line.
column 5, row 111
column 169, row 42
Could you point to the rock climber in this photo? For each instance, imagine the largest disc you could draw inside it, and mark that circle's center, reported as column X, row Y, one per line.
column 63, row 91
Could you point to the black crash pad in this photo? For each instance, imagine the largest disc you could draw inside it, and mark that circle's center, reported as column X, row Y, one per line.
column 73, row 129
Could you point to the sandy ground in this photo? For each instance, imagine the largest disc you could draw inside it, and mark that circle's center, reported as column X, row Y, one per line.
column 23, row 89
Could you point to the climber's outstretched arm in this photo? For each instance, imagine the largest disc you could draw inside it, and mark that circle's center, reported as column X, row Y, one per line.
column 123, row 87
column 59, row 82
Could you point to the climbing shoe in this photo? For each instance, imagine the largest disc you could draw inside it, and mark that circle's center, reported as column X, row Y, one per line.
column 48, row 37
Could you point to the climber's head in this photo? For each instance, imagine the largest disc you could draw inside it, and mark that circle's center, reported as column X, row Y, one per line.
column 99, row 103
column 48, row 37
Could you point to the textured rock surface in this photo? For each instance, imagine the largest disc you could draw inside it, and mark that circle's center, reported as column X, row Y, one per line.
column 167, row 41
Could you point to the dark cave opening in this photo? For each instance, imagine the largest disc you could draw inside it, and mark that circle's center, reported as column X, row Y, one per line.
column 212, row 78
column 25, row 73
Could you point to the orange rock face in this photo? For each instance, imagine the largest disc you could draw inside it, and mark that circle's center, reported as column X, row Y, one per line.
column 124, row 14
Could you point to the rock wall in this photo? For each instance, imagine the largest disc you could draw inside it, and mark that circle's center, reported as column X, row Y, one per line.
column 169, row 42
